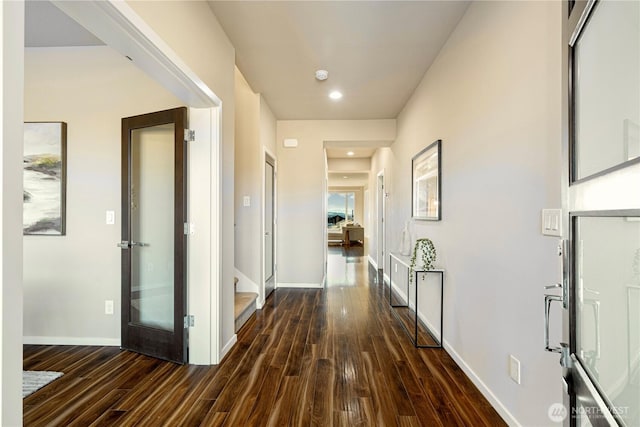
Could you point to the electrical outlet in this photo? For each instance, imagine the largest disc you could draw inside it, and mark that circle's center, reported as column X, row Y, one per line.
column 108, row 306
column 514, row 369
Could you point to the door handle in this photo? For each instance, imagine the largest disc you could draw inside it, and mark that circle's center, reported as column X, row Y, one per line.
column 548, row 299
column 563, row 349
column 126, row 244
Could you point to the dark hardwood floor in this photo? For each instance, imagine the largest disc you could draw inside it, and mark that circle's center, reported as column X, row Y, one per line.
column 327, row 357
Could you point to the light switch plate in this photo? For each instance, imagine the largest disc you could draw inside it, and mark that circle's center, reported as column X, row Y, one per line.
column 514, row 369
column 108, row 306
column 551, row 222
column 111, row 217
column 246, row 201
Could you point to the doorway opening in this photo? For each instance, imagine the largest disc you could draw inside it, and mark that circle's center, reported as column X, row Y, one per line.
column 380, row 226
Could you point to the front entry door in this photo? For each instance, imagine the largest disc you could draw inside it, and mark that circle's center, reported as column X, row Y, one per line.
column 153, row 243
column 601, row 290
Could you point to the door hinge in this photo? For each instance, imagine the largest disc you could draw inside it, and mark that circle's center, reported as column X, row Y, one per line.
column 189, row 228
column 189, row 321
column 189, row 135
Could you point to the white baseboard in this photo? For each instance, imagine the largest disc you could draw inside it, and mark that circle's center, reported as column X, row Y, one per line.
column 92, row 341
column 385, row 278
column 301, row 285
column 245, row 284
column 373, row 262
column 486, row 392
column 228, row 346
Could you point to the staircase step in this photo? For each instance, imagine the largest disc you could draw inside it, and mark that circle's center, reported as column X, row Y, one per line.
column 245, row 306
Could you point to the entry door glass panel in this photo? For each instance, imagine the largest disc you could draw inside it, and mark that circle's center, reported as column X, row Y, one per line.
column 268, row 221
column 606, row 75
column 607, row 274
column 152, row 226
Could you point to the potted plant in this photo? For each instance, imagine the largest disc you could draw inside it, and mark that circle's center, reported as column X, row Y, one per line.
column 426, row 251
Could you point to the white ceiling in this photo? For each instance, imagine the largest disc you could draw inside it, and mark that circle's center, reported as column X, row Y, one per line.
column 376, row 52
column 358, row 152
column 48, row 26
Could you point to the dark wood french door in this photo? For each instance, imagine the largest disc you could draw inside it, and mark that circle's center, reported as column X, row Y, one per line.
column 154, row 209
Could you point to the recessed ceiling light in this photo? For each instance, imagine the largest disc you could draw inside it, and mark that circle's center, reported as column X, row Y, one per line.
column 345, row 177
column 350, row 153
column 335, row 95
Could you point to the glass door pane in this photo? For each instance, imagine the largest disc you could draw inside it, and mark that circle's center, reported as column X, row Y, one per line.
column 152, row 226
column 606, row 75
column 607, row 295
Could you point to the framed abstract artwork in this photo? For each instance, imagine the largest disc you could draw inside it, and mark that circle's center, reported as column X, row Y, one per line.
column 44, row 178
column 426, row 183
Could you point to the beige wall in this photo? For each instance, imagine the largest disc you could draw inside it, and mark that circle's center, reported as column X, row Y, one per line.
column 302, row 191
column 68, row 278
column 381, row 162
column 191, row 29
column 267, row 127
column 255, row 131
column 493, row 96
column 248, row 179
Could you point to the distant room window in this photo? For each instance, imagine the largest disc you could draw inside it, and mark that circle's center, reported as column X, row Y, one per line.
column 341, row 207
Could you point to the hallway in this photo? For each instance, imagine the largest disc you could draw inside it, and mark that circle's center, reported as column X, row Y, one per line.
column 310, row 357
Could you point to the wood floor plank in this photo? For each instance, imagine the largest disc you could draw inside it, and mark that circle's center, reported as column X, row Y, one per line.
column 334, row 356
column 286, row 400
column 323, row 397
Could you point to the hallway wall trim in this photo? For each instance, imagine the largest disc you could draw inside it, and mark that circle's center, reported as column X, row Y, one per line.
column 301, row 285
column 102, row 342
column 373, row 262
column 227, row 347
column 486, row 392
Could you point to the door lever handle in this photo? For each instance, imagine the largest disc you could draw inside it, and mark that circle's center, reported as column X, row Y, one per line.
column 548, row 299
column 126, row 245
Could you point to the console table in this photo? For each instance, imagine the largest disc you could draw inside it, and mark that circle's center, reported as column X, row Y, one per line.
column 406, row 309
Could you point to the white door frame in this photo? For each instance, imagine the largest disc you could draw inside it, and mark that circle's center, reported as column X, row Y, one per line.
column 268, row 154
column 12, row 129
column 380, row 220
column 115, row 23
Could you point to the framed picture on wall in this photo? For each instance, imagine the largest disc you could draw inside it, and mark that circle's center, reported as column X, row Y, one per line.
column 44, row 178
column 426, row 183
